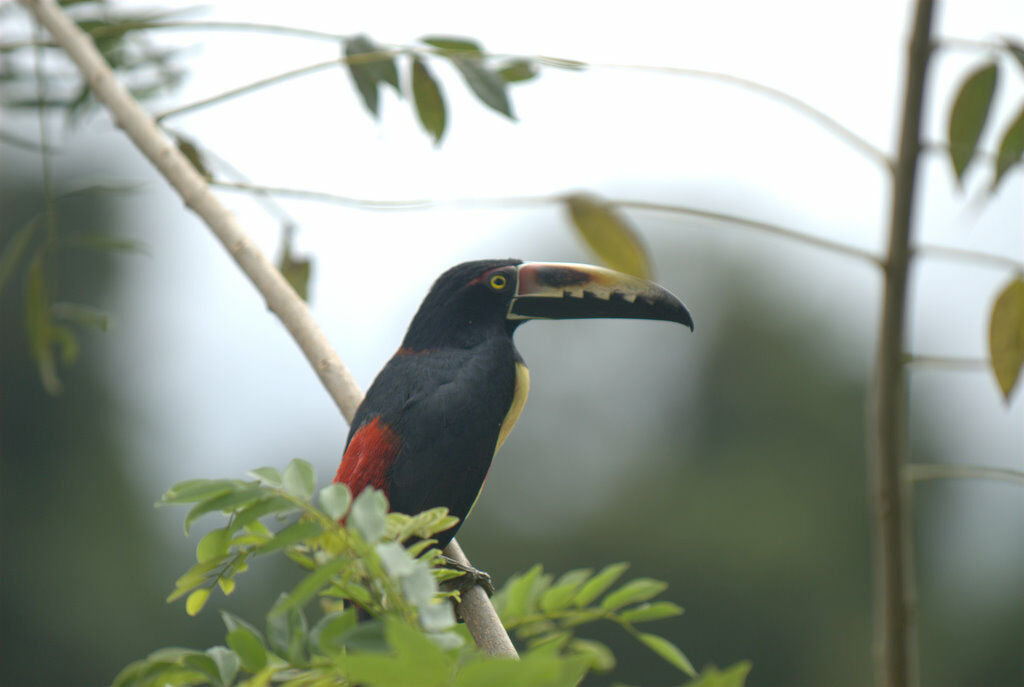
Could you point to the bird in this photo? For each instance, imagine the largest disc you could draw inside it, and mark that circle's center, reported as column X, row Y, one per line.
column 440, row 409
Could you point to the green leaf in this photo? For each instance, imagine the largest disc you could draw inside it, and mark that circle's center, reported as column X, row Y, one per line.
column 249, row 648
column 368, row 75
column 733, row 676
column 1006, row 336
column 38, row 325
column 240, row 496
column 640, row 589
column 190, row 150
column 607, row 232
column 293, row 534
column 83, row 315
column 335, row 499
column 269, row 476
column 561, row 592
column 369, row 514
column 430, row 107
column 599, row 657
column 599, row 583
column 195, row 576
column 202, row 663
column 413, row 647
column 967, row 119
column 287, row 634
column 516, row 594
column 213, row 545
column 299, row 479
column 15, row 248
column 533, row 669
column 453, row 44
column 668, row 651
column 308, row 587
column 196, row 600
column 265, row 506
column 517, row 71
column 198, row 490
column 488, row 86
column 647, row 612
column 226, row 584
column 226, row 661
column 326, row 635
column 1011, row 148
column 295, row 270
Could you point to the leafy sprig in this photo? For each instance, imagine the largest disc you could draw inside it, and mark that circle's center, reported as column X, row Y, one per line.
column 359, row 556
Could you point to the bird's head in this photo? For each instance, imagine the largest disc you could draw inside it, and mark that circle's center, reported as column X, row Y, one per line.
column 478, row 299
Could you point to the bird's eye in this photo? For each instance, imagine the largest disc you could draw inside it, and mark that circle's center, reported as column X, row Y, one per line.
column 498, row 282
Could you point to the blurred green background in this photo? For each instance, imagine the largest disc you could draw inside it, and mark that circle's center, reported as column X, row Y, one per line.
column 735, row 472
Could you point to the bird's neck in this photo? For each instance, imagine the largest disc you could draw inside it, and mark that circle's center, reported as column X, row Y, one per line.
column 432, row 331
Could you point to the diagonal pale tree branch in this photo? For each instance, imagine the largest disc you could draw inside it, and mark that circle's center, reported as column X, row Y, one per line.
column 476, row 609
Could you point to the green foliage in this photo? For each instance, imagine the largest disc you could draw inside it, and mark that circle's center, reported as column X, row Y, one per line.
column 545, row 612
column 356, row 554
column 970, row 111
column 607, row 232
column 1006, row 336
column 147, row 70
column 371, row 65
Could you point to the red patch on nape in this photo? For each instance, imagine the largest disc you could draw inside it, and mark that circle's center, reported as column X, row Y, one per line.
column 371, row 452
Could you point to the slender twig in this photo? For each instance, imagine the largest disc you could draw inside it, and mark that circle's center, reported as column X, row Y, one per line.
column 774, row 229
column 946, row 362
column 280, row 297
column 824, row 120
column 50, row 212
column 971, row 44
column 965, row 254
column 499, row 202
column 922, row 472
column 896, row 664
column 247, row 88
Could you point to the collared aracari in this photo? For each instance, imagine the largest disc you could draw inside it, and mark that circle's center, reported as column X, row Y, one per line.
column 441, row 408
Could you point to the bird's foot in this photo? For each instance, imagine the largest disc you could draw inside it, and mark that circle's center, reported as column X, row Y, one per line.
column 469, row 578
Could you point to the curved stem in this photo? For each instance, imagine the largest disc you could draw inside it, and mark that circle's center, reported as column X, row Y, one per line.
column 923, row 472
column 768, row 228
column 965, row 254
column 247, row 88
column 504, row 202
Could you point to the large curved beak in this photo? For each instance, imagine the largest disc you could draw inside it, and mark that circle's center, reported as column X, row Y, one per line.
column 561, row 290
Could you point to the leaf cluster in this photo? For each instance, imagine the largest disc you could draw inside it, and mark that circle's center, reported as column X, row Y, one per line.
column 147, row 70
column 544, row 612
column 967, row 120
column 970, row 113
column 372, row 66
column 32, row 254
column 359, row 556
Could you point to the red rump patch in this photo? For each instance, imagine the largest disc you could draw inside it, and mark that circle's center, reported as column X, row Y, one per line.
column 371, row 452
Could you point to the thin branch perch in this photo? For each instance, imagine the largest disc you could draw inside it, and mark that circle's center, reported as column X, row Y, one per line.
column 280, row 297
column 896, row 664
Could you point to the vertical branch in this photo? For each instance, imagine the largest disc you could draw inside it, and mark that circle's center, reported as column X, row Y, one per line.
column 894, row 614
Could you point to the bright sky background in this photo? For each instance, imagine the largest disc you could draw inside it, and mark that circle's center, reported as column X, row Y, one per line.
column 197, row 349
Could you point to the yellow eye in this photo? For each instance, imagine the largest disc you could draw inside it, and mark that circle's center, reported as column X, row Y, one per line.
column 498, row 282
